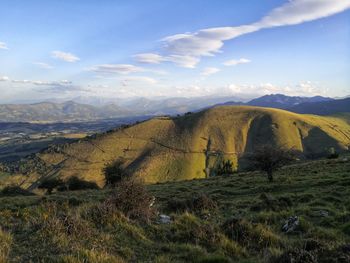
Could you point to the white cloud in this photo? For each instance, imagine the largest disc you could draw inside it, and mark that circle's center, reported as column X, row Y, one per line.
column 68, row 57
column 4, row 78
column 116, row 68
column 149, row 58
column 306, row 88
column 208, row 42
column 209, row 71
column 234, row 62
column 180, row 60
column 3, row 45
column 184, row 61
column 300, row 11
column 43, row 65
column 43, row 83
column 147, row 80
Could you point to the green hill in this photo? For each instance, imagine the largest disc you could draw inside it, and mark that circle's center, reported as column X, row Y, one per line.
column 173, row 149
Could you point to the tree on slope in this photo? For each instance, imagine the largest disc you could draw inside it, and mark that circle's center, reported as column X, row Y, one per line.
column 268, row 158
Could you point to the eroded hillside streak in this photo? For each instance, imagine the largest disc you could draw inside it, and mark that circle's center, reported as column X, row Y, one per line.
column 52, row 173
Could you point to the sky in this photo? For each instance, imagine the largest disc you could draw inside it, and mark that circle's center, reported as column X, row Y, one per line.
column 168, row 48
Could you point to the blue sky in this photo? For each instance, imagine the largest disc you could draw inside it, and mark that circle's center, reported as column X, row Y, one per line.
column 66, row 49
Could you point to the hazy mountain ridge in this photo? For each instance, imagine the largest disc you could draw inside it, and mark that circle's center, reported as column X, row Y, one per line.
column 281, row 101
column 112, row 108
column 323, row 108
column 49, row 111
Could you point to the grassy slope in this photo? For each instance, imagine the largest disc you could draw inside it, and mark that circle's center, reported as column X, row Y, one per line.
column 309, row 188
column 173, row 149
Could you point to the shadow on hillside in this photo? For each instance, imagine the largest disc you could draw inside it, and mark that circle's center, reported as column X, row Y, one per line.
column 317, row 143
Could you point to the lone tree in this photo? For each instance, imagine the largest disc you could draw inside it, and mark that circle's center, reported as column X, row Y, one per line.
column 225, row 168
column 268, row 158
column 114, row 172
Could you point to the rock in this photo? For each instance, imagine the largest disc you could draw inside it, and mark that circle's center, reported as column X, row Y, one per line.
column 153, row 200
column 324, row 213
column 290, row 224
column 164, row 219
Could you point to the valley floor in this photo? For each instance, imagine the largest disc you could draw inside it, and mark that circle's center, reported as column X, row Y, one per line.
column 245, row 225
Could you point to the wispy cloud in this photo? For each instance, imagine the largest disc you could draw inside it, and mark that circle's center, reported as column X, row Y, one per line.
column 142, row 79
column 43, row 65
column 3, row 45
column 116, row 68
column 209, row 71
column 149, row 58
column 180, row 60
column 208, row 42
column 234, row 62
column 43, row 83
column 4, row 78
column 65, row 56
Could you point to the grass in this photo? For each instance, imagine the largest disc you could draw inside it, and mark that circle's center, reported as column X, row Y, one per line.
column 65, row 227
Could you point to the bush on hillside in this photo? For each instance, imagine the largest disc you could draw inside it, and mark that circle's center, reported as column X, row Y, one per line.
column 74, row 183
column 332, row 153
column 14, row 190
column 5, row 245
column 114, row 173
column 196, row 204
column 225, row 168
column 132, row 199
column 50, row 184
column 245, row 233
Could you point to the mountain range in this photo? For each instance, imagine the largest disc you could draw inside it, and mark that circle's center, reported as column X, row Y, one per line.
column 102, row 109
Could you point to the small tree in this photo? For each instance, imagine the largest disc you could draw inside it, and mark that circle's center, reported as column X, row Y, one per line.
column 268, row 159
column 332, row 153
column 225, row 168
column 132, row 199
column 114, row 172
column 50, row 184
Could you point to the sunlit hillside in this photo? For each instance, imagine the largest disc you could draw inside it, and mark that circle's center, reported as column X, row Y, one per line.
column 190, row 146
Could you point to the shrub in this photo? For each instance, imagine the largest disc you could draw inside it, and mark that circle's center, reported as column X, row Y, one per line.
column 5, row 246
column 114, row 173
column 332, row 153
column 225, row 168
column 295, row 256
column 14, row 190
column 74, row 183
column 196, row 204
column 50, row 184
column 249, row 235
column 189, row 228
column 53, row 220
column 131, row 198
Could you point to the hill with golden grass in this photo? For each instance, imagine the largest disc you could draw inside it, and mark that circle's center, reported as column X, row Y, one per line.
column 190, row 146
